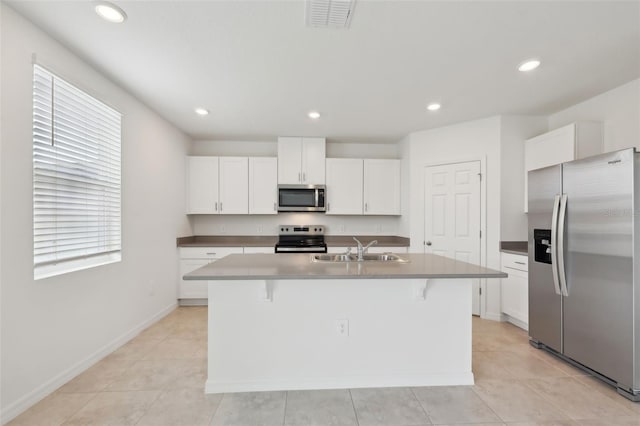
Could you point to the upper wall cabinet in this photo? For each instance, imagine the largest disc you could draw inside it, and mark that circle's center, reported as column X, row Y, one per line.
column 234, row 185
column 301, row 160
column 382, row 187
column 263, row 184
column 217, row 185
column 370, row 187
column 574, row 141
column 202, row 185
column 344, row 186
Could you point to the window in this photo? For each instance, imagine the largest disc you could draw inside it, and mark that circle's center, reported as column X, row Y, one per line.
column 76, row 178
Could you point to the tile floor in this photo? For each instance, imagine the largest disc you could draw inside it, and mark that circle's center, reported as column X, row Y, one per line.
column 158, row 378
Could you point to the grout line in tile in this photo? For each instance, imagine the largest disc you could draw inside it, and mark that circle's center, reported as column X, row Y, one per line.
column 95, row 394
column 473, row 388
column 286, row 400
column 146, row 411
column 216, row 410
column 545, row 398
column 353, row 405
column 424, row 410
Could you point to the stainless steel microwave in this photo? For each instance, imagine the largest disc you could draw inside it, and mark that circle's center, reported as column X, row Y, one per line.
column 302, row 198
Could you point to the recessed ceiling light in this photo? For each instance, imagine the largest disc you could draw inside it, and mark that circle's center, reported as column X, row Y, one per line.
column 110, row 12
column 433, row 107
column 314, row 115
column 529, row 65
column 201, row 111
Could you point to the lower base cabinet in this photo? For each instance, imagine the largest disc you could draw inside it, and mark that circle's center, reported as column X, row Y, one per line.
column 515, row 289
column 192, row 258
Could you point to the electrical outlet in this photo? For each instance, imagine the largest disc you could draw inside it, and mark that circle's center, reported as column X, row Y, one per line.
column 341, row 228
column 260, row 229
column 342, row 327
column 223, row 229
column 378, row 228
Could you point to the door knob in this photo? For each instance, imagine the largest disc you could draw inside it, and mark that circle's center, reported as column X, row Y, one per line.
column 428, row 243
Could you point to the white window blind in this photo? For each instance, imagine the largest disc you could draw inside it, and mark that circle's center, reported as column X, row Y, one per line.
column 76, row 178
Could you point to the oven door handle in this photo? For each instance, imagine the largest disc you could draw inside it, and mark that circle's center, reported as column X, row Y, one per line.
column 301, row 249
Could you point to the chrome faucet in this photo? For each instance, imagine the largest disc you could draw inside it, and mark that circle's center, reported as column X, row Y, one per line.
column 362, row 250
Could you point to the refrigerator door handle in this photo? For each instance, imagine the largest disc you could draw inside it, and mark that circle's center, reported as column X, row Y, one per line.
column 560, row 254
column 554, row 246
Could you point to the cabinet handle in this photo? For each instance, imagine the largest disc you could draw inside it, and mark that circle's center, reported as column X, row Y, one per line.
column 366, row 207
column 328, row 206
column 520, row 263
column 274, row 207
column 304, row 177
column 216, row 208
column 299, row 180
column 220, row 206
column 211, row 254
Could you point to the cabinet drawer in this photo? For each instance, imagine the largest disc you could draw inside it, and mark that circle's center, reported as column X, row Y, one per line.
column 248, row 250
column 514, row 261
column 208, row 252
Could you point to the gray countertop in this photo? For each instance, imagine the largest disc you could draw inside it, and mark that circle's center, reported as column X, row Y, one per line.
column 300, row 266
column 515, row 247
column 271, row 240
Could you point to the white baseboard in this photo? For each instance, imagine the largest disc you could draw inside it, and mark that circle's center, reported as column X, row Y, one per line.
column 16, row 408
column 494, row 316
column 414, row 380
column 523, row 325
column 193, row 302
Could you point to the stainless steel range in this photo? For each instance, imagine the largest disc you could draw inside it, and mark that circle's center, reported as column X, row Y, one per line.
column 301, row 239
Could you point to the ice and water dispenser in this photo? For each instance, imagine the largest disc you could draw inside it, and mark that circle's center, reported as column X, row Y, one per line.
column 542, row 245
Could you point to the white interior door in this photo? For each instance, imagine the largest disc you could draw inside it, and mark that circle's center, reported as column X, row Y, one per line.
column 452, row 215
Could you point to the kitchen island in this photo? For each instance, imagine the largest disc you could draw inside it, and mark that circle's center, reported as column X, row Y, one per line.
column 285, row 322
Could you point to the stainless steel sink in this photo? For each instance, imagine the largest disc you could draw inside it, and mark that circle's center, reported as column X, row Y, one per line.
column 341, row 258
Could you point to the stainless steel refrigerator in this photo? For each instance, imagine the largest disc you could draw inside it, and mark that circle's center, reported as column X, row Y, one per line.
column 584, row 295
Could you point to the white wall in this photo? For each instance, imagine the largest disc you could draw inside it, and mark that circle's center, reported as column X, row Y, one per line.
column 268, row 224
column 617, row 109
column 54, row 328
column 474, row 140
column 514, row 130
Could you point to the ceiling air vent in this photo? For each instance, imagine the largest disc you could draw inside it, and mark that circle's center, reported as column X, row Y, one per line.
column 329, row 13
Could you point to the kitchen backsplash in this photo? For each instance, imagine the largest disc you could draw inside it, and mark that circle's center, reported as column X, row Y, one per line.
column 268, row 224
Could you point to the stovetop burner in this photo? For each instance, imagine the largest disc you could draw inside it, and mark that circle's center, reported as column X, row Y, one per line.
column 301, row 239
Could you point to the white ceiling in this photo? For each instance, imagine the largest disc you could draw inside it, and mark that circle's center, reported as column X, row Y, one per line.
column 259, row 69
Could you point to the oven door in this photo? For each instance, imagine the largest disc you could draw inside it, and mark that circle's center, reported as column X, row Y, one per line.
column 301, row 198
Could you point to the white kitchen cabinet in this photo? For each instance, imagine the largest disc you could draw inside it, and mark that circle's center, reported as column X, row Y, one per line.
column 217, row 185
column 269, row 250
column 515, row 289
column 234, row 185
column 381, row 187
column 192, row 258
column 574, row 141
column 301, row 160
column 202, row 185
column 263, row 185
column 344, row 186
